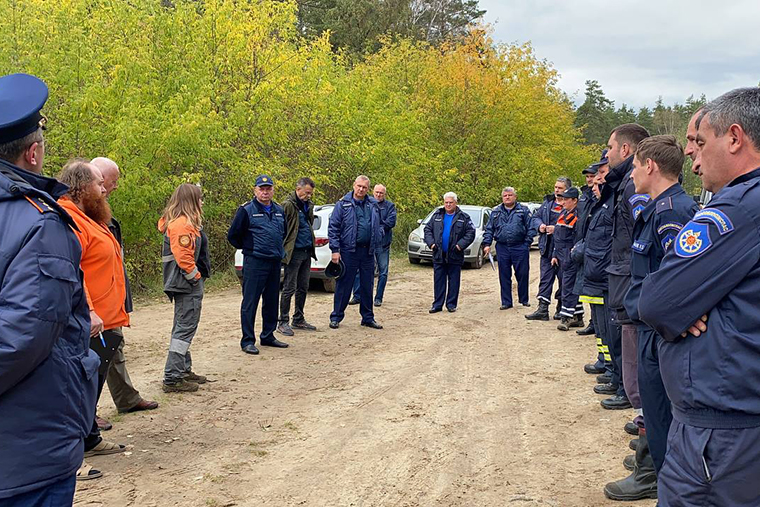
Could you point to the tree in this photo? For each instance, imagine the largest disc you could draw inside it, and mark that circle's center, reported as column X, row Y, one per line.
column 596, row 116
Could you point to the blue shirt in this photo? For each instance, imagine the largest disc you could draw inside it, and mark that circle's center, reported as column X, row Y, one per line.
column 447, row 221
column 363, row 217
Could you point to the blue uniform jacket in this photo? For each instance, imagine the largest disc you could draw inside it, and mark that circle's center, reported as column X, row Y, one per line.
column 388, row 220
column 653, row 233
column 48, row 374
column 462, row 235
column 343, row 228
column 510, row 227
column 598, row 244
column 546, row 214
column 258, row 233
column 713, row 268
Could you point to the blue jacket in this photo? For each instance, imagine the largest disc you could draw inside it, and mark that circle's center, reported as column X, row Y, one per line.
column 653, row 233
column 546, row 214
column 342, row 229
column 48, row 374
column 713, row 268
column 462, row 235
column 388, row 220
column 510, row 227
column 258, row 233
column 597, row 244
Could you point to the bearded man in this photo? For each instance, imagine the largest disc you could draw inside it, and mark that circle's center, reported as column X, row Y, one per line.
column 103, row 269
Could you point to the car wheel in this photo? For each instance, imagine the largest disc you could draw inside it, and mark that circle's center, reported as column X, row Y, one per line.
column 479, row 259
column 414, row 260
column 329, row 284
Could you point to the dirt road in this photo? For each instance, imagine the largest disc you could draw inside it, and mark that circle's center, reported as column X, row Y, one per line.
column 475, row 408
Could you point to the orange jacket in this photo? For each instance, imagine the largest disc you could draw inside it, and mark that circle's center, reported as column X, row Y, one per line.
column 104, row 282
column 182, row 240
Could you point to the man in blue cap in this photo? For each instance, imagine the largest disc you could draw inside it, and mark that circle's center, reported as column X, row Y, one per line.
column 48, row 374
column 259, row 229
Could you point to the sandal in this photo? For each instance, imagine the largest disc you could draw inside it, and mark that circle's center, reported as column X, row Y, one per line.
column 86, row 472
column 105, row 448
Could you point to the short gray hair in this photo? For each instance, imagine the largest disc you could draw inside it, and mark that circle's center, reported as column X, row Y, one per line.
column 741, row 107
column 566, row 181
column 362, row 178
column 509, row 189
column 452, row 195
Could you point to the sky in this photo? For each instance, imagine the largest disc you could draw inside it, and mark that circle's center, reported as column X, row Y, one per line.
column 638, row 51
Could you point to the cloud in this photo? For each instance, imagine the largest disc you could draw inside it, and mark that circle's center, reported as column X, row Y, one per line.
column 638, row 51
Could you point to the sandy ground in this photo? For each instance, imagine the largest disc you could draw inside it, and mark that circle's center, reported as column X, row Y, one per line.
column 476, row 408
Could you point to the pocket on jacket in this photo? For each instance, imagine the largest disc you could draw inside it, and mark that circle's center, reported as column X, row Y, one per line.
column 58, row 279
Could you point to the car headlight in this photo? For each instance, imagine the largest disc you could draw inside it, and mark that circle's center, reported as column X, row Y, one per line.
column 415, row 238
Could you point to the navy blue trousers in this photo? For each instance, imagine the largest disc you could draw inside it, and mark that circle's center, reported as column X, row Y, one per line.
column 261, row 281
column 58, row 494
column 363, row 262
column 654, row 399
column 446, row 278
column 615, row 344
column 710, row 467
column 546, row 283
column 568, row 273
column 519, row 258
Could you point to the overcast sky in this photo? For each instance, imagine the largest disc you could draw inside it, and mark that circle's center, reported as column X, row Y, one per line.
column 638, row 50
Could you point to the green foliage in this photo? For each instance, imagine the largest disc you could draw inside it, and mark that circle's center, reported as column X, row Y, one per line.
column 216, row 92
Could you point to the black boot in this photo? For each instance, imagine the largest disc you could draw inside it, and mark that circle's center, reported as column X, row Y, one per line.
column 588, row 330
column 642, row 483
column 541, row 313
column 557, row 316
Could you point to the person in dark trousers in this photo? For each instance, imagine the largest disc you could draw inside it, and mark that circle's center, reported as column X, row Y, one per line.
column 564, row 239
column 355, row 233
column 48, row 373
column 546, row 218
column 621, row 147
column 512, row 227
column 383, row 254
column 448, row 233
column 702, row 303
column 125, row 396
column 300, row 249
column 259, row 229
column 657, row 167
column 587, row 201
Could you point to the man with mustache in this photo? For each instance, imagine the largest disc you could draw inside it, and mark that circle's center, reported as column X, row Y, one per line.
column 103, row 269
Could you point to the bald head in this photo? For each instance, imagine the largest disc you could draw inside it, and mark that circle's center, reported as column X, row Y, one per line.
column 110, row 172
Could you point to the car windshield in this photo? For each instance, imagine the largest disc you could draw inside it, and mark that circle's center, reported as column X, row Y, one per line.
column 475, row 214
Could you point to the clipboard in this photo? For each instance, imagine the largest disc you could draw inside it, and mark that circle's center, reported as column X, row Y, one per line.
column 104, row 345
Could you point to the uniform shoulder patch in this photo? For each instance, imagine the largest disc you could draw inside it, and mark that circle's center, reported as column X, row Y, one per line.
column 715, row 217
column 184, row 240
column 670, row 226
column 638, row 202
column 667, row 241
column 693, row 240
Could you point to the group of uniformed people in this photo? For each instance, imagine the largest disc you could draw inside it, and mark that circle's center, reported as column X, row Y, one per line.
column 672, row 289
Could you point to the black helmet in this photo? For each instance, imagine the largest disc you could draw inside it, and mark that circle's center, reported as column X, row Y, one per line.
column 335, row 270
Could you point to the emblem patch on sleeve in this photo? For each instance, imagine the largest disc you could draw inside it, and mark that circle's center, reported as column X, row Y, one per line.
column 184, row 240
column 667, row 241
column 638, row 203
column 693, row 240
column 716, row 217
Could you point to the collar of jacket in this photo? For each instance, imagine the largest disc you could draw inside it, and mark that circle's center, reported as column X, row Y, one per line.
column 619, row 173
column 349, row 197
column 298, row 202
column 272, row 205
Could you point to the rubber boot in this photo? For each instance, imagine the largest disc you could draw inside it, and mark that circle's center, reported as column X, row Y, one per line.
column 642, row 483
column 541, row 313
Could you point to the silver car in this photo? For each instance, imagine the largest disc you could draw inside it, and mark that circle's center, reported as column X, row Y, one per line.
column 473, row 256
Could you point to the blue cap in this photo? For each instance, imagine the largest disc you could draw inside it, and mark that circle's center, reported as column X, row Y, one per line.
column 264, row 181
column 335, row 270
column 21, row 98
column 571, row 193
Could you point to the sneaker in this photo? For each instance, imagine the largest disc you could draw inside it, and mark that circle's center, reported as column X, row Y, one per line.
column 305, row 326
column 194, row 377
column 378, row 302
column 284, row 328
column 180, row 387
